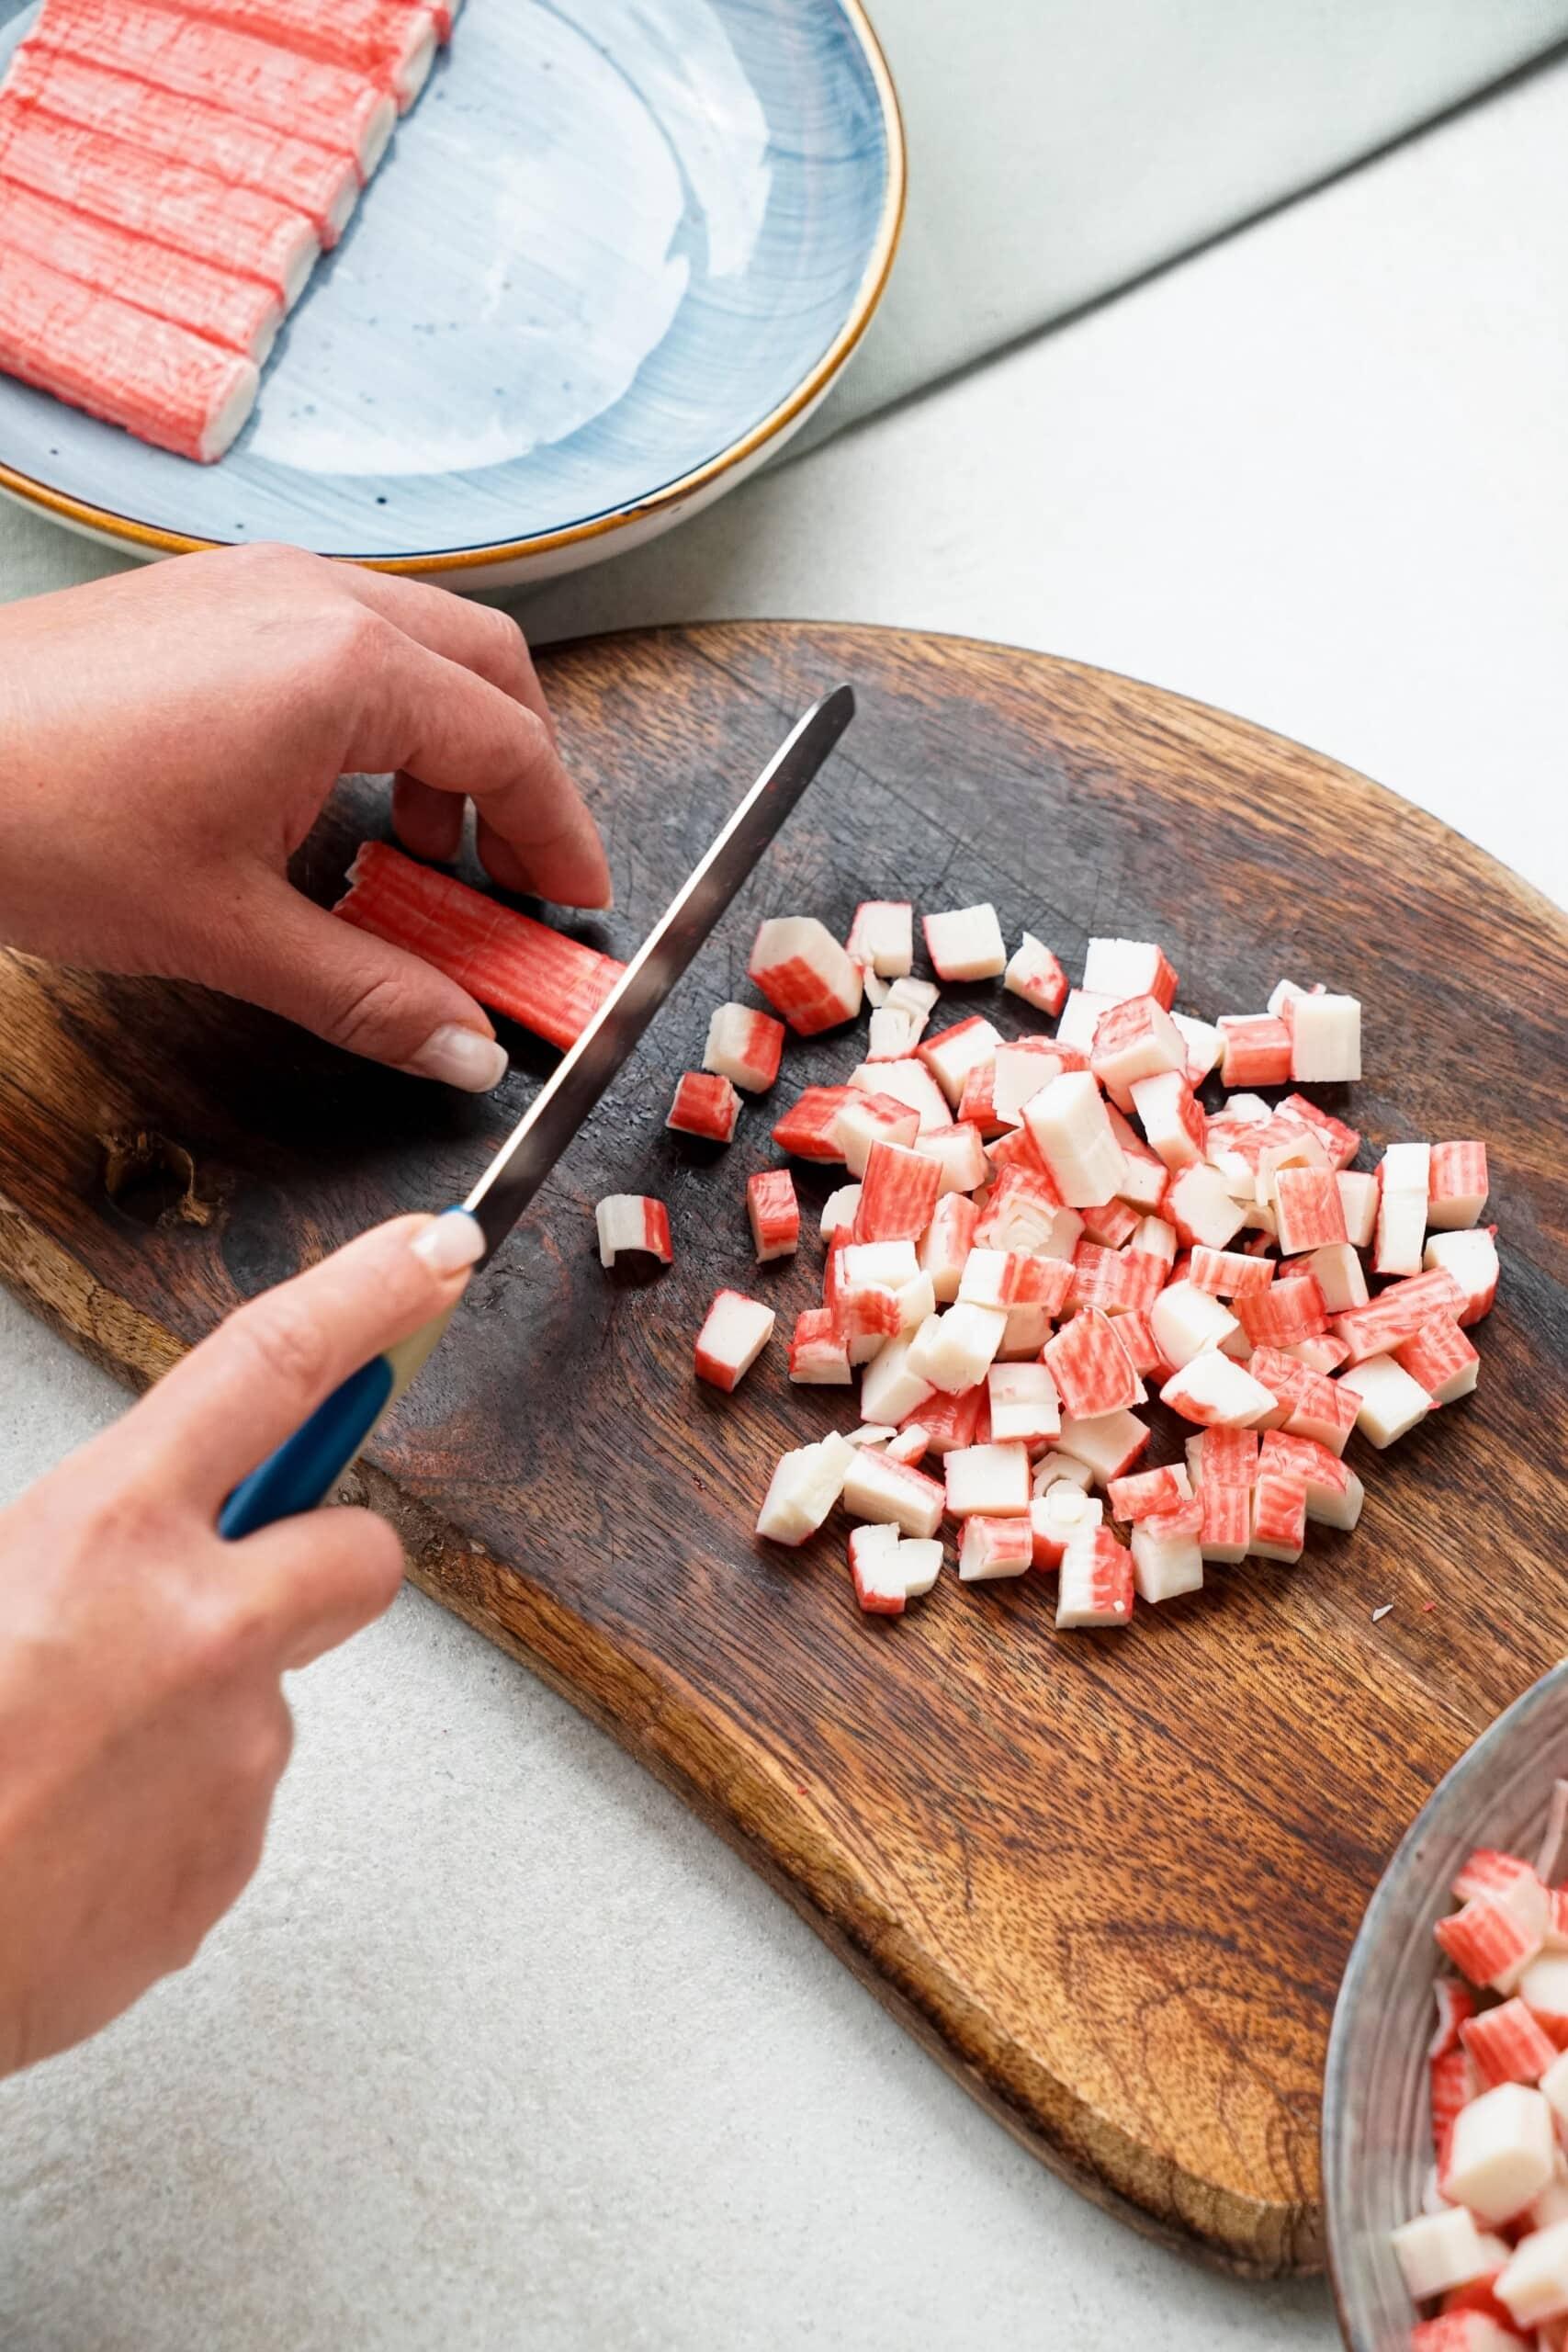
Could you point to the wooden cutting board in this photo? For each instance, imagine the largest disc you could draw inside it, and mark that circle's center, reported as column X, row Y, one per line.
column 1109, row 1879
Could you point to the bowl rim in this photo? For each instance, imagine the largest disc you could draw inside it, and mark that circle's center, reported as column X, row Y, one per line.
column 1472, row 1765
column 154, row 539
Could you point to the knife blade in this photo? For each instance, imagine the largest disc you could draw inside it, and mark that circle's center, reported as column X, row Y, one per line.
column 307, row 1466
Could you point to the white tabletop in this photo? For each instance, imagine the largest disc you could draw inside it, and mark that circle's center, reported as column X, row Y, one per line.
column 502, row 2047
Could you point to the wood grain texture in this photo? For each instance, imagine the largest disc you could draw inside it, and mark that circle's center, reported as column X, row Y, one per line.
column 1109, row 1879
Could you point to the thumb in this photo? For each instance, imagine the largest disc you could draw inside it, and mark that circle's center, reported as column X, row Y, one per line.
column 358, row 991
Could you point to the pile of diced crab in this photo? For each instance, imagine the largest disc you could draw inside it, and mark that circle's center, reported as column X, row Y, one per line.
column 1036, row 1231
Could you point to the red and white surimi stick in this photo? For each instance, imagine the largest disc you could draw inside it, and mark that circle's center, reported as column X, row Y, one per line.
column 1067, row 1123
column 193, row 212
column 1092, row 1368
column 1338, row 1273
column 1223, row 1457
column 893, row 1493
column 890, row 1391
column 991, row 1547
column 1279, row 1516
column 239, row 313
column 891, row 1035
column 907, row 1082
column 1314, row 1407
column 733, row 1336
column 1341, row 1143
column 1290, row 1308
column 947, row 1241
column 866, row 1120
column 774, row 1211
column 1136, row 1039
column 391, row 42
column 1256, row 1050
column 1167, row 1558
column 1389, row 1402
column 1023, row 1404
column 1172, row 1116
column 632, row 1221
column 950, row 1421
column 805, row 974
column 144, row 374
column 538, row 977
column 1118, row 1282
column 266, row 85
column 805, row 1486
column 910, row 1444
column 883, row 935
column 1186, row 1321
column 1399, row 1312
column 889, row 1569
column 1402, row 1182
column 959, row 1156
column 1119, row 968
column 1034, row 974
column 320, row 182
column 1470, row 1261
column 1333, row 1493
column 1310, row 1211
column 1508, row 2046
column 1149, row 1492
column 1198, row 1203
column 1014, row 1278
column 954, row 1053
column 899, row 1194
column 744, row 1047
column 1226, row 1529
column 1440, row 1360
column 1112, row 1225
column 1324, row 1353
column 806, row 1128
column 1326, row 1039
column 818, row 1357
column 955, row 1351
column 1204, row 1046
column 965, row 944
column 1217, row 1392
column 1487, row 1944
column 1108, row 1442
column 1145, row 1174
column 1056, row 1514
column 1459, row 1185
column 1506, row 1879
column 1096, row 1587
column 1135, row 1332
column 1228, row 1274
column 1022, row 1211
column 704, row 1105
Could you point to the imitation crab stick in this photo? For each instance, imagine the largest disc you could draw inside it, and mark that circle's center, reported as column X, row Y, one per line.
column 632, row 1221
column 274, row 87
column 320, row 182
column 146, row 374
column 391, row 42
column 170, row 203
column 550, row 984
column 239, row 313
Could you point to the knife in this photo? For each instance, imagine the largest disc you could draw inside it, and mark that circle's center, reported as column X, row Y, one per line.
column 307, row 1466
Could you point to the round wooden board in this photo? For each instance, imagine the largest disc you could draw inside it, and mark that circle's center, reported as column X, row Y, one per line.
column 1110, row 1879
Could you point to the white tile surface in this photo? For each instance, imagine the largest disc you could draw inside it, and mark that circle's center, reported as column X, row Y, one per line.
column 502, row 2049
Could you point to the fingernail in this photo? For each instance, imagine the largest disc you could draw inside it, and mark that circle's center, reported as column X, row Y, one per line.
column 452, row 1242
column 461, row 1057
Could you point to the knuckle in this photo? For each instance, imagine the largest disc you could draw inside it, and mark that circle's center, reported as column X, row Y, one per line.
column 350, row 640
column 375, row 1017
column 285, row 1340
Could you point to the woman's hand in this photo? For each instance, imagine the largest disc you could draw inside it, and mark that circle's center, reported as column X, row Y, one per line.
column 167, row 740
column 142, row 1722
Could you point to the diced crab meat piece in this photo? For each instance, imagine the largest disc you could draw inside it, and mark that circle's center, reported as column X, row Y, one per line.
column 1145, row 1173
column 990, row 1479
column 1023, row 1403
column 1391, row 1402
column 965, row 944
column 873, row 1433
column 1204, row 1046
column 1506, row 2044
column 955, row 1351
column 1359, row 1201
column 1437, row 2250
column 1339, row 1142
column 1401, row 1231
column 1284, row 1143
column 1056, row 1513
column 736, row 1331
column 946, row 1244
column 805, row 1486
column 838, row 1213
column 899, row 1194
column 1470, row 1260
column 774, row 1211
column 1136, row 1334
column 1256, row 1050
column 910, row 1083
column 1508, row 1880
column 1173, row 1118
column 1061, row 1468
column 1019, row 1070
column 1014, row 1278
column 1226, row 1529
column 1080, row 1018
column 890, row 1390
column 1067, row 1123
column 1186, row 1321
column 1453, row 2003
column 919, row 997
column 1500, row 2154
column 873, row 1567
column 744, row 1047
column 1117, row 1281
column 952, row 1421
column 1325, row 1039
column 1202, row 1210
column 1107, row 1443
column 1338, row 1272
column 1313, row 1407
column 818, row 1354
column 632, row 1221
column 1216, row 1392
column 1166, row 1561
column 1533, row 2284
column 891, row 1035
column 1093, row 1373
column 1290, row 1308
column 883, row 936
column 874, row 991
column 1488, row 1944
column 869, row 1119
column 1324, row 1353
column 991, row 1547
column 1119, row 968
column 1459, row 1185
column 1149, row 1492
column 806, row 1129
column 1440, row 1360
column 911, row 1444
column 1333, row 1493
column 1310, row 1213
column 893, row 1493
column 919, row 1560
column 959, row 1156
column 704, row 1105
column 1279, row 1516
column 1247, row 1110
column 805, row 974
column 1034, row 974
column 953, row 1054
column 1023, row 1212
column 1136, row 1040
column 1155, row 1239
column 1543, row 1989
column 1096, row 1581
column 1398, row 1313
column 1228, row 1274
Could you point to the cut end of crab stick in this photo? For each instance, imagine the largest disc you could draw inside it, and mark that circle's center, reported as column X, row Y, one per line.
column 744, row 1047
column 965, row 944
column 1166, row 1560
column 1325, row 1039
column 632, row 1221
column 1500, row 2153
column 959, row 1157
column 991, row 1547
column 774, row 1211
column 890, row 1391
column 1034, row 974
column 1096, row 1580
column 955, row 1054
column 732, row 1338
column 1023, row 1404
column 1488, row 1944
column 1216, row 1392
column 1470, row 1260
column 805, row 974
column 1391, row 1403
column 1437, row 2251
column 704, row 1105
column 1333, row 1493
column 1107, row 1445
column 818, row 1352
column 990, row 1479
column 1136, row 1040
column 804, row 1488
column 883, row 936
column 1173, row 1119
column 908, row 1082
column 955, row 1351
column 1119, row 968
column 889, row 1569
column 1188, row 1322
column 893, row 1494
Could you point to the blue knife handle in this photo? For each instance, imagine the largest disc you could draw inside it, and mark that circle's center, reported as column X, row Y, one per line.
column 308, row 1466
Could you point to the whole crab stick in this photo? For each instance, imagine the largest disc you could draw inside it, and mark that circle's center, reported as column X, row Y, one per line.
column 536, row 976
column 391, row 42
